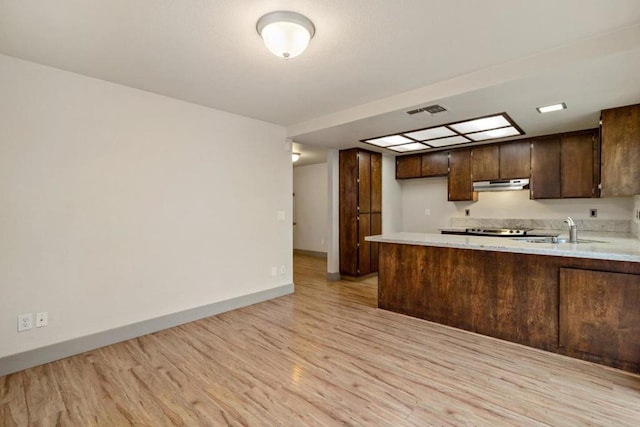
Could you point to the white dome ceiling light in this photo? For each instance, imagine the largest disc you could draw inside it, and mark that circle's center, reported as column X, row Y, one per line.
column 286, row 34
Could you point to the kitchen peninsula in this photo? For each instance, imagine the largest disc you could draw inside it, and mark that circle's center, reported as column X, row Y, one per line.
column 581, row 300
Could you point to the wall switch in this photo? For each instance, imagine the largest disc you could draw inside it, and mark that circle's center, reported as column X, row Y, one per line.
column 281, row 215
column 593, row 213
column 274, row 271
column 42, row 319
column 282, row 270
column 25, row 322
column 427, row 212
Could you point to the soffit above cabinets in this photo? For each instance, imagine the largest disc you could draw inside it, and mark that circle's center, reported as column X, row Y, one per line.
column 485, row 129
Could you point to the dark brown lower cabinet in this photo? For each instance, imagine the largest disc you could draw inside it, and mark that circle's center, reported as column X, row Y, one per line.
column 565, row 305
column 600, row 315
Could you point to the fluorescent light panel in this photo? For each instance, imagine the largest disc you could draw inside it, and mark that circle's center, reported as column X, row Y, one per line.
column 423, row 135
column 477, row 125
column 387, row 141
column 482, row 129
column 494, row 134
column 415, row 146
column 550, row 108
column 452, row 140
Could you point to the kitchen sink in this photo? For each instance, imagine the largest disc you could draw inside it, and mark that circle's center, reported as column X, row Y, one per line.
column 551, row 239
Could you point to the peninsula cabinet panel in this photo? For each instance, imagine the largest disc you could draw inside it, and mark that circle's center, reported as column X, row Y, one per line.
column 515, row 160
column 460, row 185
column 545, row 168
column 408, row 166
column 578, row 176
column 565, row 305
column 485, row 163
column 435, row 164
column 600, row 315
column 620, row 151
column 360, row 196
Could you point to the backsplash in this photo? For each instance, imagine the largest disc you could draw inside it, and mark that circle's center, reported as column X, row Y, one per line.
column 602, row 225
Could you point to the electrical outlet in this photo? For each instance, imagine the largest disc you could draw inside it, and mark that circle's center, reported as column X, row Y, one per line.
column 25, row 322
column 427, row 212
column 42, row 319
column 593, row 213
column 282, row 270
column 274, row 271
column 281, row 215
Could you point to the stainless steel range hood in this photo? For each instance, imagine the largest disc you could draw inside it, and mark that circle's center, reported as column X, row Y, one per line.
column 501, row 185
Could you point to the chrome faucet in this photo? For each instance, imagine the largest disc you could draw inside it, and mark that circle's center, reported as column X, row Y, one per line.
column 573, row 230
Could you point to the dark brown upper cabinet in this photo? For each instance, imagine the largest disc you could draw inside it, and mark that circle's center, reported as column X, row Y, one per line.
column 515, row 160
column 485, row 163
column 409, row 166
column 620, row 160
column 505, row 161
column 562, row 166
column 460, row 185
column 435, row 164
column 579, row 173
column 545, row 168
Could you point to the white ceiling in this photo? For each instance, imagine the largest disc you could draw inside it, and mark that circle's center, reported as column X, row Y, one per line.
column 369, row 61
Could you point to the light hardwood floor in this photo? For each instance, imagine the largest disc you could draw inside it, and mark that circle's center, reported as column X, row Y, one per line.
column 322, row 356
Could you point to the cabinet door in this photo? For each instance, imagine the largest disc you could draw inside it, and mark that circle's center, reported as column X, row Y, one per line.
column 376, row 182
column 545, row 168
column 364, row 182
column 600, row 314
column 485, row 162
column 364, row 246
column 408, row 167
column 459, row 183
column 620, row 145
column 348, row 212
column 435, row 164
column 515, row 160
column 376, row 228
column 576, row 166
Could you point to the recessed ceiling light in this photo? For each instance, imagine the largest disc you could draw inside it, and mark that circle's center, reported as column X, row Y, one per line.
column 295, row 157
column 550, row 108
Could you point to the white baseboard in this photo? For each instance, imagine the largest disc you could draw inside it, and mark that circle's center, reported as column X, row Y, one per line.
column 57, row 351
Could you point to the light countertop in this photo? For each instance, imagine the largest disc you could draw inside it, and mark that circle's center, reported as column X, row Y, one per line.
column 608, row 246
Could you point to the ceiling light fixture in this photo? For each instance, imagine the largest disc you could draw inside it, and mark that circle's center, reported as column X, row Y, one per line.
column 295, row 157
column 550, row 108
column 286, row 34
column 483, row 129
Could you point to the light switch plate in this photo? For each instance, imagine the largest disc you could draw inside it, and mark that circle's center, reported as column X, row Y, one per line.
column 281, row 215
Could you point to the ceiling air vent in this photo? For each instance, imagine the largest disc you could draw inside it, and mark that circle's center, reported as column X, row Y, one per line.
column 435, row 109
column 431, row 109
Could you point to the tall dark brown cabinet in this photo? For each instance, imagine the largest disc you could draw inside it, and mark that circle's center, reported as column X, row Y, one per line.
column 360, row 210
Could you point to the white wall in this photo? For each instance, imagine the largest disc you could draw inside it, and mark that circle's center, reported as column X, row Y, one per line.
column 117, row 205
column 391, row 196
column 431, row 193
column 310, row 189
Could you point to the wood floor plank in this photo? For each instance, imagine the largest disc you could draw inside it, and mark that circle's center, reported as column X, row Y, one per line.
column 324, row 355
